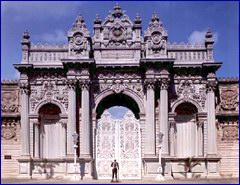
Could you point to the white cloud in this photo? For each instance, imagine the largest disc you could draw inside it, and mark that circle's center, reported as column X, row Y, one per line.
column 199, row 37
column 26, row 10
column 59, row 36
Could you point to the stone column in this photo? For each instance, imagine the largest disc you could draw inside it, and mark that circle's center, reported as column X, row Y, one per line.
column 163, row 114
column 211, row 124
column 71, row 115
column 150, row 120
column 200, row 138
column 85, row 151
column 25, row 127
column 63, row 137
column 36, row 125
column 172, row 125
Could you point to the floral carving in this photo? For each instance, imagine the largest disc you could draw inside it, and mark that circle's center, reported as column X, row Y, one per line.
column 49, row 91
column 9, row 102
column 230, row 132
column 229, row 99
column 9, row 129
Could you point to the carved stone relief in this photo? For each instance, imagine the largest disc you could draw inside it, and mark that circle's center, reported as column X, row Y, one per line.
column 229, row 99
column 228, row 130
column 9, row 102
column 186, row 90
column 48, row 91
column 9, row 129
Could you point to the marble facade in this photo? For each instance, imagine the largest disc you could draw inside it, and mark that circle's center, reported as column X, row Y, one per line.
column 170, row 88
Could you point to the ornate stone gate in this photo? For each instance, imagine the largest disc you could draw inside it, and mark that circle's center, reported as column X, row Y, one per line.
column 120, row 140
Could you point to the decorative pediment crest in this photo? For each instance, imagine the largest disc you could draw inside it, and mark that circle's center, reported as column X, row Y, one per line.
column 117, row 30
column 79, row 39
column 155, row 38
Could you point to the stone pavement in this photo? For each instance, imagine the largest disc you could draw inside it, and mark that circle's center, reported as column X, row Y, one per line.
column 184, row 181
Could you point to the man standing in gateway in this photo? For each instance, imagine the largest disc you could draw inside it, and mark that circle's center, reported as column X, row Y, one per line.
column 115, row 168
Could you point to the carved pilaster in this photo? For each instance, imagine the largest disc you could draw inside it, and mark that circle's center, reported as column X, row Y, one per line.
column 150, row 118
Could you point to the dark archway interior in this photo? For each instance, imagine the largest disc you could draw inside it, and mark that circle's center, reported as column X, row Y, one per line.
column 50, row 109
column 118, row 100
column 186, row 109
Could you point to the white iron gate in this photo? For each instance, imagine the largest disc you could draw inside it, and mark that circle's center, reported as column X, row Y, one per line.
column 120, row 140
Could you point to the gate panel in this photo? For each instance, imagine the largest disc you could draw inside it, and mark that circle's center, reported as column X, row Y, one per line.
column 105, row 146
column 130, row 148
column 120, row 140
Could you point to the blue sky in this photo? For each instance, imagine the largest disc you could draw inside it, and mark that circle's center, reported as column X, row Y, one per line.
column 48, row 22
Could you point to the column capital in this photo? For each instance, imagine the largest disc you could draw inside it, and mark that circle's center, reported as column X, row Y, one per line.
column 164, row 83
column 149, row 83
column 200, row 124
column 71, row 83
column 211, row 85
column 172, row 124
column 24, row 88
column 85, row 84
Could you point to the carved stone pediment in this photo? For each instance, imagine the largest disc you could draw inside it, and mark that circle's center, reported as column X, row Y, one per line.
column 155, row 38
column 79, row 39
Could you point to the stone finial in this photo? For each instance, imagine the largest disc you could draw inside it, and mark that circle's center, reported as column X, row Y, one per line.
column 79, row 22
column 117, row 11
column 25, row 40
column 155, row 17
column 208, row 34
column 137, row 19
column 26, row 35
column 209, row 37
column 97, row 20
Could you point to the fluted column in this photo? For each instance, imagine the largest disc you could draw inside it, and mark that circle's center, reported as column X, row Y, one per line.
column 71, row 115
column 25, row 127
column 63, row 137
column 172, row 125
column 163, row 117
column 85, row 122
column 36, row 125
column 200, row 138
column 211, row 125
column 150, row 120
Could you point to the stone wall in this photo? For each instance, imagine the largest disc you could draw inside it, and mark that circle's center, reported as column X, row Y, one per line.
column 227, row 125
column 10, row 138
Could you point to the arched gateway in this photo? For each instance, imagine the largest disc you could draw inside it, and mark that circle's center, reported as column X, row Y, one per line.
column 66, row 89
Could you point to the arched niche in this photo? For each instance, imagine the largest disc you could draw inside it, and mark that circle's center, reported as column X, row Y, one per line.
column 50, row 131
column 187, row 137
